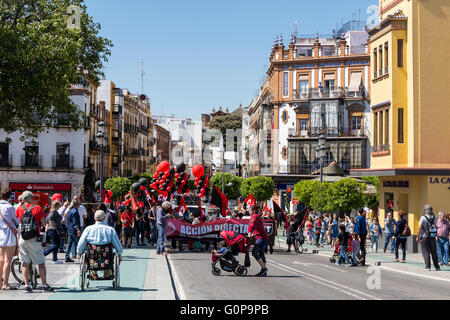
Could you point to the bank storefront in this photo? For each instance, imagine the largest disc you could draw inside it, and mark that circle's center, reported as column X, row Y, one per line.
column 410, row 190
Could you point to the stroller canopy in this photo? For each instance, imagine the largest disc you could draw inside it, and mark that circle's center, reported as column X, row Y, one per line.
column 231, row 237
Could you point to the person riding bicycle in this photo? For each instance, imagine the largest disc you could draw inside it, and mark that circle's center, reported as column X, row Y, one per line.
column 100, row 234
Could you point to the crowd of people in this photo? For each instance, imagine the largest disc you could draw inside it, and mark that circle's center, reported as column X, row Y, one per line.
column 68, row 225
column 325, row 229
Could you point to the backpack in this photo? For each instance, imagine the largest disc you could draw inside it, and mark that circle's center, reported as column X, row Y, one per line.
column 28, row 226
column 432, row 231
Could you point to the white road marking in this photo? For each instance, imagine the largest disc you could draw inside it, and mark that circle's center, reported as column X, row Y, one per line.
column 319, row 265
column 337, row 286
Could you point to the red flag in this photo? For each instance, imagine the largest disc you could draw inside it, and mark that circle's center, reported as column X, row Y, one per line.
column 304, row 218
column 162, row 195
column 153, row 200
column 182, row 208
column 250, row 201
column 134, row 205
column 220, row 200
column 202, row 215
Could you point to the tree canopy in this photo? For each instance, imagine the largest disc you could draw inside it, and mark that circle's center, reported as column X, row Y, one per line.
column 231, row 192
column 40, row 57
column 228, row 122
column 341, row 196
column 118, row 186
column 261, row 187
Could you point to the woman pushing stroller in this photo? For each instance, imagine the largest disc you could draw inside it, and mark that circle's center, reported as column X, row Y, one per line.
column 256, row 229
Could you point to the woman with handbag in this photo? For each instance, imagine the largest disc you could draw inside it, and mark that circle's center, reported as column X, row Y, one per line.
column 401, row 235
column 8, row 238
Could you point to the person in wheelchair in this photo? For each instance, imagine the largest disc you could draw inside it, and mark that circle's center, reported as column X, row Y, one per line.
column 97, row 235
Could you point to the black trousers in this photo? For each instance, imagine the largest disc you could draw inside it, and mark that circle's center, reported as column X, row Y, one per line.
column 429, row 247
column 363, row 249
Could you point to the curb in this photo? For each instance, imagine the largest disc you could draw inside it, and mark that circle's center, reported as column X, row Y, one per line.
column 175, row 280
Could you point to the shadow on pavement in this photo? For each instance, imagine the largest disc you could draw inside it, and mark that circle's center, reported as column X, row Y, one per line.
column 98, row 289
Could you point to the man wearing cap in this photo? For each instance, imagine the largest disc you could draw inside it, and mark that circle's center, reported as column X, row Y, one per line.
column 426, row 236
column 100, row 234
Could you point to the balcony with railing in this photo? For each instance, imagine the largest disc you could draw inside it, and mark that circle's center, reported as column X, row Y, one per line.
column 381, row 150
column 6, row 161
column 31, row 161
column 326, row 130
column 328, row 93
column 62, row 162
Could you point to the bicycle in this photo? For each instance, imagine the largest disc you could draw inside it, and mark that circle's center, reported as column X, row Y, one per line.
column 16, row 270
column 298, row 242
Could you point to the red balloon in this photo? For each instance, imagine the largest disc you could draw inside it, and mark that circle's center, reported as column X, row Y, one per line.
column 202, row 191
column 196, row 183
column 188, row 191
column 177, row 175
column 163, row 166
column 168, row 189
column 201, row 195
column 198, row 171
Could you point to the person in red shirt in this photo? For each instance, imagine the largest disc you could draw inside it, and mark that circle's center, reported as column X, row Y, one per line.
column 127, row 219
column 31, row 251
column 256, row 229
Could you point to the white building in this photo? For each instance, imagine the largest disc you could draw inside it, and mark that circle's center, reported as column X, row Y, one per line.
column 186, row 139
column 55, row 164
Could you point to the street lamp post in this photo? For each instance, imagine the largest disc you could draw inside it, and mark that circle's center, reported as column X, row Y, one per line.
column 101, row 136
column 322, row 150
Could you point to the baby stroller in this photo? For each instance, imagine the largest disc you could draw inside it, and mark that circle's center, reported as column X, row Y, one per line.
column 235, row 243
column 337, row 253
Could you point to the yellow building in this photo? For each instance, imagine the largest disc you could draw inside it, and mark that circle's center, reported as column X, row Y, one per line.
column 410, row 135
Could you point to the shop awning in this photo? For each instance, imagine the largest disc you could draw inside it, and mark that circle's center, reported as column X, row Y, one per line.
column 303, row 77
column 355, row 81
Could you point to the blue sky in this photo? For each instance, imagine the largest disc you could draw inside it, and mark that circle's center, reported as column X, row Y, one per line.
column 202, row 54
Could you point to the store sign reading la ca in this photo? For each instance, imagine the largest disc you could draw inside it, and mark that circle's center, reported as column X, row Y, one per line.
column 440, row 180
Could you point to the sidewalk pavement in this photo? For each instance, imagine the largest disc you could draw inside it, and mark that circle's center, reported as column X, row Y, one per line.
column 144, row 275
column 414, row 261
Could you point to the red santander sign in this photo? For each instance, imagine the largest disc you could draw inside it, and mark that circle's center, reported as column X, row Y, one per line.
column 41, row 186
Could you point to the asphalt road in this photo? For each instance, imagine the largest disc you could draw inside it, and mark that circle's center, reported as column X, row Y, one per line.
column 299, row 277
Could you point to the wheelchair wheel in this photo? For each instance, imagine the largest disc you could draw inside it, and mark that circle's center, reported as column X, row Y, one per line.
column 82, row 273
column 216, row 271
column 116, row 281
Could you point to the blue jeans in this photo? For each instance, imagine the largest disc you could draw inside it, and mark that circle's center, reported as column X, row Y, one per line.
column 53, row 234
column 343, row 254
column 386, row 241
column 72, row 242
column 355, row 259
column 140, row 232
column 400, row 241
column 161, row 237
column 442, row 245
column 322, row 236
column 375, row 242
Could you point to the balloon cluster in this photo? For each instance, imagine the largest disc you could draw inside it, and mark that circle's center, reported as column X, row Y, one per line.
column 201, row 180
column 170, row 179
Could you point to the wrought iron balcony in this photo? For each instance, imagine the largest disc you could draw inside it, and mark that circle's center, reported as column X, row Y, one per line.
column 62, row 162
column 6, row 161
column 31, row 161
column 381, row 148
column 329, row 131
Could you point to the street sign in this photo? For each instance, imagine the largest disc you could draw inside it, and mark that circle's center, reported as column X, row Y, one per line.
column 13, row 196
column 295, row 202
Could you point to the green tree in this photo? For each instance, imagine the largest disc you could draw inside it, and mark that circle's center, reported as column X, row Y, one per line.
column 346, row 195
column 261, row 187
column 40, row 58
column 229, row 122
column 231, row 192
column 372, row 201
column 118, row 186
column 304, row 191
column 320, row 199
